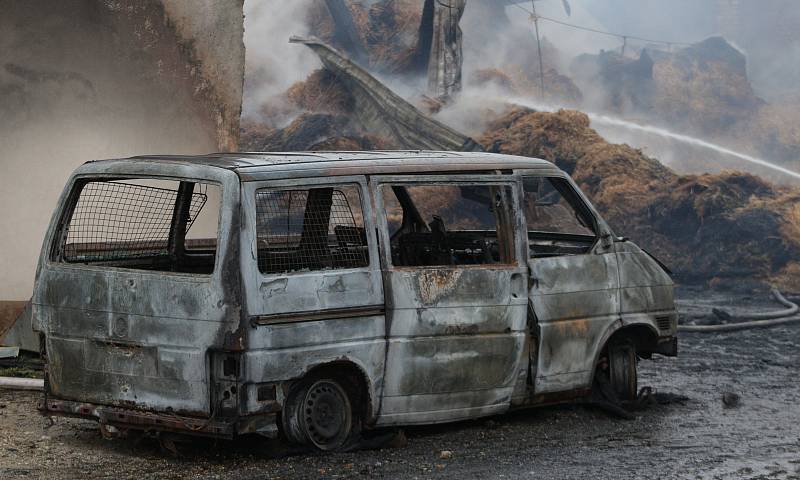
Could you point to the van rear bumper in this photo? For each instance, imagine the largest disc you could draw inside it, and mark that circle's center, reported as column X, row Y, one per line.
column 126, row 419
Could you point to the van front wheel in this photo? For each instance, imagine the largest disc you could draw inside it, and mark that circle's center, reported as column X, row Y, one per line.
column 325, row 415
column 622, row 370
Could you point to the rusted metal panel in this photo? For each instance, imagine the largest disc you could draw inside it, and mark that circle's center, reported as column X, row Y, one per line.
column 282, row 353
column 581, row 300
column 576, row 300
column 126, row 418
column 288, row 351
column 422, row 163
column 465, row 337
column 456, row 334
column 645, row 286
column 138, row 338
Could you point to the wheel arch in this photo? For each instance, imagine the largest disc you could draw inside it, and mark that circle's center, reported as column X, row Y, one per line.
column 354, row 376
column 643, row 335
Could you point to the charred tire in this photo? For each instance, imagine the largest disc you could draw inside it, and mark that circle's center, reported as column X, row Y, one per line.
column 290, row 419
column 622, row 370
column 319, row 412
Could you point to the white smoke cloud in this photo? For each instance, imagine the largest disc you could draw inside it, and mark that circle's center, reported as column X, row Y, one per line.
column 272, row 63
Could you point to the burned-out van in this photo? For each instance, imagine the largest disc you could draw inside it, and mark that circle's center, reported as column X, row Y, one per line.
column 318, row 294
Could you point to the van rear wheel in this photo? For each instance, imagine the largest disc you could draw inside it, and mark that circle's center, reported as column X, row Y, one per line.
column 319, row 412
column 326, row 415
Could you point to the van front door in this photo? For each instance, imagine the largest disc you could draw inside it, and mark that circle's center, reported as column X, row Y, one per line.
column 574, row 283
column 455, row 283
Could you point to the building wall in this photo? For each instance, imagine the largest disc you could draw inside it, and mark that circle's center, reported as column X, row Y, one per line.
column 88, row 79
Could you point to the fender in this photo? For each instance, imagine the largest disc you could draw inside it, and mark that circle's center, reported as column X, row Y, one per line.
column 334, row 365
column 616, row 327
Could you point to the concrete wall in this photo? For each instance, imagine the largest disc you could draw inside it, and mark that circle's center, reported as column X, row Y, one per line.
column 215, row 31
column 88, row 79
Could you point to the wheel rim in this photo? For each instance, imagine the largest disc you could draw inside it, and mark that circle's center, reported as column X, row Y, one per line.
column 326, row 415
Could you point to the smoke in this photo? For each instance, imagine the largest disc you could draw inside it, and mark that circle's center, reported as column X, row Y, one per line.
column 74, row 91
column 273, row 64
column 766, row 34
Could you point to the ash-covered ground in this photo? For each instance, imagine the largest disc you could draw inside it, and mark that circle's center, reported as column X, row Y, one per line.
column 699, row 437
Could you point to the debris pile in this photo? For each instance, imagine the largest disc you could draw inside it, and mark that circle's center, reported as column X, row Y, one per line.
column 324, row 108
column 516, row 81
column 774, row 131
column 627, row 83
column 321, row 92
column 707, row 228
column 310, row 132
column 701, row 88
column 704, row 85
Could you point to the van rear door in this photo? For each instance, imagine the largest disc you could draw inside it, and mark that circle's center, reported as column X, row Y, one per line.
column 133, row 290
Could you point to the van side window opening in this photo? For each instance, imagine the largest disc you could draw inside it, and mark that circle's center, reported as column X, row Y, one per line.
column 310, row 229
column 558, row 222
column 141, row 224
column 436, row 225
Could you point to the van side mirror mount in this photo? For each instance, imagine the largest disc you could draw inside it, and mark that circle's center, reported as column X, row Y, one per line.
column 607, row 240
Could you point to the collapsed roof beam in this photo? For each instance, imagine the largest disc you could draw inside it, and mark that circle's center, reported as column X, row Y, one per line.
column 383, row 112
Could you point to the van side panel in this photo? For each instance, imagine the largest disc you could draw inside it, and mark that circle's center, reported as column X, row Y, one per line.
column 455, row 343
column 302, row 320
column 278, row 354
column 646, row 290
column 576, row 300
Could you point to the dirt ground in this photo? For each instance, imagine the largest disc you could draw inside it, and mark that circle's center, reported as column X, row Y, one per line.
column 699, row 437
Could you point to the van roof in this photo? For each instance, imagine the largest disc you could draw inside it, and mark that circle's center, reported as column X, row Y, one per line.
column 264, row 165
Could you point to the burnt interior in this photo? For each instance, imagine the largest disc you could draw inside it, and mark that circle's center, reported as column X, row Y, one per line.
column 435, row 225
column 130, row 223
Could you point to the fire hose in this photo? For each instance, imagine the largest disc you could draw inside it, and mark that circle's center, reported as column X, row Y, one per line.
column 755, row 320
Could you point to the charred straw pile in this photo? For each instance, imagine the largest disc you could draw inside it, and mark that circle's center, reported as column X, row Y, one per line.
column 323, row 122
column 708, row 228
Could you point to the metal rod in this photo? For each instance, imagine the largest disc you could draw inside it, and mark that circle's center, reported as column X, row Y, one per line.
column 12, row 383
column 539, row 47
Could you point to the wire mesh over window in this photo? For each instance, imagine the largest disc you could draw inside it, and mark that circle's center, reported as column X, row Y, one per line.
column 121, row 220
column 310, row 229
